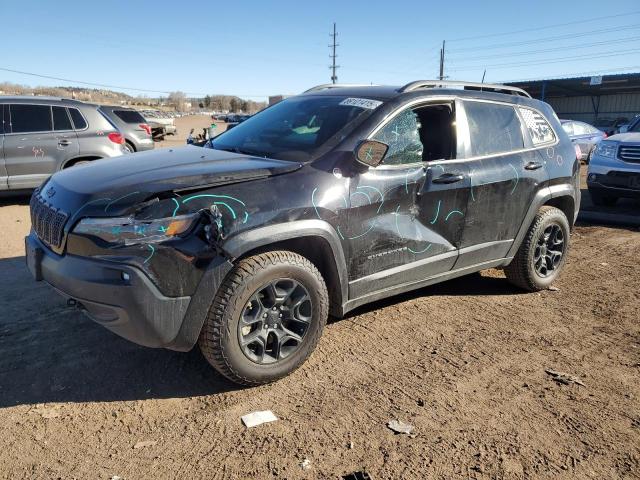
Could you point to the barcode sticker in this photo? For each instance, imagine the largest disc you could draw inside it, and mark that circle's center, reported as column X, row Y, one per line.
column 361, row 102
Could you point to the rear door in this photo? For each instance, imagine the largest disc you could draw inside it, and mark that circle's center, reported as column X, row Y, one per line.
column 505, row 173
column 31, row 149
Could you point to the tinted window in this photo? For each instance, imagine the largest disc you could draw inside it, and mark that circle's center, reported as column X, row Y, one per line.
column 30, row 118
column 538, row 127
column 493, row 128
column 61, row 119
column 78, row 120
column 129, row 116
column 1, row 119
column 298, row 128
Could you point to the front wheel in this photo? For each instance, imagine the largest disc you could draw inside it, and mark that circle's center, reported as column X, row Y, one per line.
column 266, row 318
column 543, row 252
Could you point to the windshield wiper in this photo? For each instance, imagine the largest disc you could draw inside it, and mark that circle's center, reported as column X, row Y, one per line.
column 242, row 151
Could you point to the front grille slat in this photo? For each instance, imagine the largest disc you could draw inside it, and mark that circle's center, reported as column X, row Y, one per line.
column 629, row 153
column 47, row 221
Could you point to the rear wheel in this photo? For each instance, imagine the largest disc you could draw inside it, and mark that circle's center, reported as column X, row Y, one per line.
column 543, row 252
column 266, row 318
column 128, row 147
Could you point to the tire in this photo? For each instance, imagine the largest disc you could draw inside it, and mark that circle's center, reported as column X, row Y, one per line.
column 128, row 146
column 531, row 269
column 601, row 200
column 245, row 293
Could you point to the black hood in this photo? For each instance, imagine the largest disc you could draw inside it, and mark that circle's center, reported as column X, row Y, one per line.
column 134, row 178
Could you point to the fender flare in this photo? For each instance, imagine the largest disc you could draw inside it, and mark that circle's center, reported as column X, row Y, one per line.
column 237, row 246
column 541, row 197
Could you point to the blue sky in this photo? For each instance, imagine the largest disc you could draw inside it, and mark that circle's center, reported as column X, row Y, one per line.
column 258, row 48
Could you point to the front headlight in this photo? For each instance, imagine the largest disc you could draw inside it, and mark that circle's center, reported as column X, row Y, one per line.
column 607, row 149
column 129, row 231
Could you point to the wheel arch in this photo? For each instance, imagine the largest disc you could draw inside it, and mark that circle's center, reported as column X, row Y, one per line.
column 315, row 240
column 85, row 158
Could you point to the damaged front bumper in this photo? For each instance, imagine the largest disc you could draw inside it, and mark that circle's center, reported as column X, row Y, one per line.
column 123, row 299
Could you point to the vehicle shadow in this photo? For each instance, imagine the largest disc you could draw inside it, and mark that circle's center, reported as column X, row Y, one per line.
column 21, row 199
column 474, row 284
column 53, row 353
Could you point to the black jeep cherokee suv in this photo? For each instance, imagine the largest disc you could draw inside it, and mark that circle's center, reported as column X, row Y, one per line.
column 326, row 201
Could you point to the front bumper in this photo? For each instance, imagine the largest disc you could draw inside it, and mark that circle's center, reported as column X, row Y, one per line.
column 119, row 297
column 615, row 183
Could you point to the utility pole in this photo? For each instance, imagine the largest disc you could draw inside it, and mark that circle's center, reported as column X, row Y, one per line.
column 333, row 66
column 442, row 62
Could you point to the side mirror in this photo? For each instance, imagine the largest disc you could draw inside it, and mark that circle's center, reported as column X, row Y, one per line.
column 371, row 152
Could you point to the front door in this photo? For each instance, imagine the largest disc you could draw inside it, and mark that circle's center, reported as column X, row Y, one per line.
column 407, row 215
column 34, row 150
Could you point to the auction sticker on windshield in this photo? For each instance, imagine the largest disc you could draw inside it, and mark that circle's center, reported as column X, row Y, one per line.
column 361, row 102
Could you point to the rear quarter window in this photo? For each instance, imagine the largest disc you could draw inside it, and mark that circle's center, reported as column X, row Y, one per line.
column 129, row 116
column 538, row 127
column 30, row 118
column 79, row 122
column 493, row 128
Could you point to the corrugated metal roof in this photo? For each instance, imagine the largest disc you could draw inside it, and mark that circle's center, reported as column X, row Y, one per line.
column 580, row 86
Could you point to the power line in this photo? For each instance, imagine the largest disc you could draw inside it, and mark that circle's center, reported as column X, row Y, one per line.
column 119, row 87
column 567, row 47
column 547, row 39
column 575, row 22
column 333, row 67
column 545, row 62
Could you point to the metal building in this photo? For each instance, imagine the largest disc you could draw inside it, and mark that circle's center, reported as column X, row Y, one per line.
column 595, row 100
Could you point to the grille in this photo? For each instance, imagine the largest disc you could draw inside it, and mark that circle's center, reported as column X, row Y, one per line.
column 629, row 154
column 48, row 222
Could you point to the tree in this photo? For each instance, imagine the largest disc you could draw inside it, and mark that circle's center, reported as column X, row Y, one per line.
column 207, row 101
column 177, row 100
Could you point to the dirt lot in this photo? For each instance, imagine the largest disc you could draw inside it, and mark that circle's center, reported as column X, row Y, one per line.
column 464, row 362
column 184, row 126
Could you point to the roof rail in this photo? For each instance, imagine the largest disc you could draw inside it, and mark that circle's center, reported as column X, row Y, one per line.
column 410, row 87
column 328, row 86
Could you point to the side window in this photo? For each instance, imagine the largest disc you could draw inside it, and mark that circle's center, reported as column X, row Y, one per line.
column 493, row 128
column 539, row 129
column 1, row 119
column 30, row 118
column 78, row 120
column 61, row 120
column 403, row 138
column 568, row 127
column 580, row 128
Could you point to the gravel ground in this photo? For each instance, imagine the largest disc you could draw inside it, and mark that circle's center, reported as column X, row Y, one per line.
column 463, row 362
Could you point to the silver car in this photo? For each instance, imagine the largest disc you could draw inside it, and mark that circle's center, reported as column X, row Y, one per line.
column 614, row 169
column 42, row 135
column 132, row 125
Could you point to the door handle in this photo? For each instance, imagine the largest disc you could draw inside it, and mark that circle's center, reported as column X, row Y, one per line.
column 448, row 178
column 533, row 166
column 64, row 143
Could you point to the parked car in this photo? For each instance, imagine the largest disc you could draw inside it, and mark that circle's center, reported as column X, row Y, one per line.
column 319, row 204
column 610, row 126
column 160, row 124
column 132, row 125
column 614, row 169
column 42, row 135
column 584, row 136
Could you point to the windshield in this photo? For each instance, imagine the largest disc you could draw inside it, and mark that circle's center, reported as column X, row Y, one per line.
column 299, row 128
column 636, row 126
